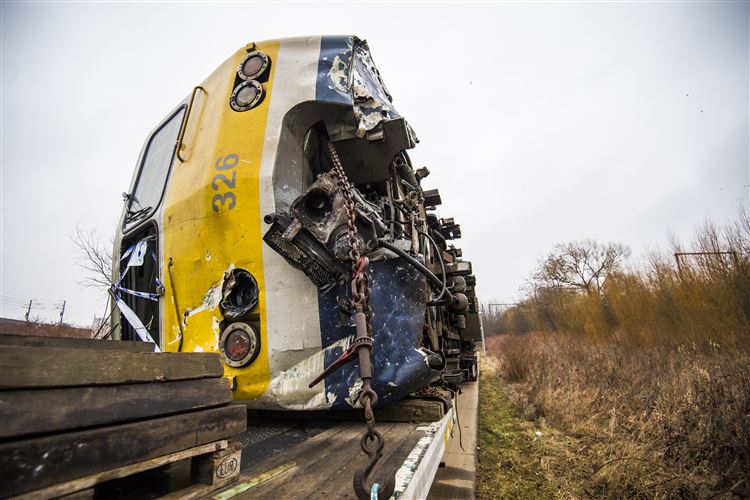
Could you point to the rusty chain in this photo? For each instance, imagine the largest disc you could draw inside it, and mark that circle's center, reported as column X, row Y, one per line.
column 372, row 440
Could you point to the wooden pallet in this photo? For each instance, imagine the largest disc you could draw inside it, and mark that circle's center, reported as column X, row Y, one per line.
column 80, row 411
column 213, row 466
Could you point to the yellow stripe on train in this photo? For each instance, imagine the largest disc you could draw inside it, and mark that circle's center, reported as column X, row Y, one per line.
column 212, row 219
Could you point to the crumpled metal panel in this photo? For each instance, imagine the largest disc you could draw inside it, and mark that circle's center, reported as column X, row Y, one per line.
column 347, row 75
column 399, row 296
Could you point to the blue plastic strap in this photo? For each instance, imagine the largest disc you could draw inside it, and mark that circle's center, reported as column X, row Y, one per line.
column 134, row 322
column 374, row 491
column 136, row 293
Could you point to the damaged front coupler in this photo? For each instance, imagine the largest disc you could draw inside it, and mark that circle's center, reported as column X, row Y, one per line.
column 314, row 237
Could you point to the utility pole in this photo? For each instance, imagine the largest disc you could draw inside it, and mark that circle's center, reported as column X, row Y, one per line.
column 62, row 313
column 28, row 311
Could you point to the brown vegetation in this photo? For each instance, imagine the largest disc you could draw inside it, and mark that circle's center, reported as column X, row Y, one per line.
column 705, row 300
column 648, row 375
column 650, row 421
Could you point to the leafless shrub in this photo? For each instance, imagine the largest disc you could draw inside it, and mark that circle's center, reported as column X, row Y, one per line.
column 705, row 299
column 581, row 265
column 94, row 257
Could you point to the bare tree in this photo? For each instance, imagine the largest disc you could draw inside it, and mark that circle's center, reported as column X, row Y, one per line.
column 94, row 257
column 581, row 265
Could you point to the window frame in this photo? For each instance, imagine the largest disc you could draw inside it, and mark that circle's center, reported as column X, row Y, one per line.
column 128, row 228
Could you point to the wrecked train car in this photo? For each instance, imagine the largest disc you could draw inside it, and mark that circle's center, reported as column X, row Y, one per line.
column 254, row 205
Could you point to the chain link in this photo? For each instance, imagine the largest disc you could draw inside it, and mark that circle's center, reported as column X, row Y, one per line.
column 372, row 441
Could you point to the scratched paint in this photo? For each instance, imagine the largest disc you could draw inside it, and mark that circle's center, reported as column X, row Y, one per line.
column 289, row 389
column 372, row 102
column 211, row 300
column 348, row 75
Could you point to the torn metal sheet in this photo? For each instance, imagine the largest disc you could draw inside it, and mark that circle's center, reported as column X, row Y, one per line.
column 239, row 294
column 399, row 296
column 211, row 300
column 347, row 74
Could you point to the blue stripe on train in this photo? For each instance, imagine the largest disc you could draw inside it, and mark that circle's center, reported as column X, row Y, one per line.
column 338, row 50
column 399, row 294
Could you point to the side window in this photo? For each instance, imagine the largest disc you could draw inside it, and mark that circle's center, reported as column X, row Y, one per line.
column 155, row 164
column 142, row 275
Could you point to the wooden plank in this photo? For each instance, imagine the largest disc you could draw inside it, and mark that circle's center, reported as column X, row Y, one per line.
column 323, row 468
column 24, row 367
column 411, row 410
column 19, row 327
column 398, row 444
column 87, row 482
column 300, row 454
column 303, row 451
column 254, row 482
column 48, row 411
column 40, row 462
column 395, row 457
column 74, row 343
column 195, row 491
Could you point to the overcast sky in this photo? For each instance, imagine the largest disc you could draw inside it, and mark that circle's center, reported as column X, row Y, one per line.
column 540, row 122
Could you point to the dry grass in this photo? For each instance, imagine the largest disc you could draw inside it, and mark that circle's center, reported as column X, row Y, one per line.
column 520, row 458
column 647, row 376
column 641, row 422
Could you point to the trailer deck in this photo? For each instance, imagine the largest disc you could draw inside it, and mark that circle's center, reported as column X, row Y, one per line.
column 144, row 447
column 305, row 459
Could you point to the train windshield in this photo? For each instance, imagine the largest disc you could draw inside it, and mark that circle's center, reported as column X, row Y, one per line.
column 155, row 165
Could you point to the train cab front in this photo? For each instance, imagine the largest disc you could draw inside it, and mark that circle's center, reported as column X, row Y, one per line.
column 271, row 212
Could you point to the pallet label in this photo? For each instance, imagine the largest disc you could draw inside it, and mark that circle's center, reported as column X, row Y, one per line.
column 227, row 467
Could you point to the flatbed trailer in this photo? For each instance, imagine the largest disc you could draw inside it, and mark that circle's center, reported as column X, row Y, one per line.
column 313, row 459
column 289, row 457
column 280, row 454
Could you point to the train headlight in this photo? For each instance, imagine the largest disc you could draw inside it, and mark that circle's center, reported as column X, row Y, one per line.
column 239, row 294
column 246, row 96
column 239, row 345
column 254, row 66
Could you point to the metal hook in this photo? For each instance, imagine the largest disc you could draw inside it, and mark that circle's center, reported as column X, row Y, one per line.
column 363, row 486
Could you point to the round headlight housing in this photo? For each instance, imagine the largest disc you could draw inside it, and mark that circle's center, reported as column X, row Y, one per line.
column 254, row 66
column 246, row 96
column 239, row 294
column 239, row 345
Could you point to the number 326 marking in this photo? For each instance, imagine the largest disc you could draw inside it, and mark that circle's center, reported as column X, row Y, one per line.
column 225, row 165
